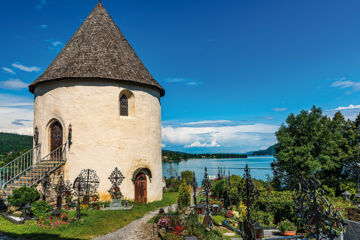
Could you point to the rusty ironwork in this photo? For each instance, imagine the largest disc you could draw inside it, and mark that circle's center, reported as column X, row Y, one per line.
column 62, row 189
column 36, row 136
column 116, row 178
column 92, row 181
column 316, row 214
column 206, row 184
column 45, row 185
column 249, row 194
column 194, row 187
column 79, row 188
column 227, row 199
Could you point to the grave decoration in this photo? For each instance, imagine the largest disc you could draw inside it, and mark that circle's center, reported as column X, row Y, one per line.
column 91, row 185
column 247, row 228
column 62, row 189
column 221, row 173
column 319, row 217
column 227, row 199
column 116, row 178
column 45, row 184
column 79, row 188
column 207, row 188
column 194, row 187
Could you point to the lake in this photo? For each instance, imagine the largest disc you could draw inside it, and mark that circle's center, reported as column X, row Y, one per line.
column 259, row 167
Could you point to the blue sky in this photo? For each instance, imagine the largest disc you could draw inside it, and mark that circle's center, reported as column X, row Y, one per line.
column 232, row 70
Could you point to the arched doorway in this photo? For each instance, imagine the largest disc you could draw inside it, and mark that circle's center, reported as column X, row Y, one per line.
column 140, row 188
column 56, row 137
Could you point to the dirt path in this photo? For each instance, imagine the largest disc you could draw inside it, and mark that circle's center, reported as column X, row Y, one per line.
column 136, row 230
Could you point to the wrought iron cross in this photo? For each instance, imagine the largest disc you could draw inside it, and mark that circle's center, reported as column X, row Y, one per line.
column 116, row 178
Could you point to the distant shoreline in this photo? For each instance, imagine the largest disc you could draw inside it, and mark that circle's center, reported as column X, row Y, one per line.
column 197, row 158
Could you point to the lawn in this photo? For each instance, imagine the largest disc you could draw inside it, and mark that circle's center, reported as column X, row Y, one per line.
column 94, row 223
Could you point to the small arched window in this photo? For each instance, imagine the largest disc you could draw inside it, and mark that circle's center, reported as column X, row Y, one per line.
column 124, row 105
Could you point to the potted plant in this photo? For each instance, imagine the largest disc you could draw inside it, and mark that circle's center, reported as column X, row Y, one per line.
column 287, row 228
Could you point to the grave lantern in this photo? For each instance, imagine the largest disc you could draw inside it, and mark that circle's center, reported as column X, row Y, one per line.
column 346, row 194
column 215, row 209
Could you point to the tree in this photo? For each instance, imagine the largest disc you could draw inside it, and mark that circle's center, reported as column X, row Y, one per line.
column 311, row 143
column 187, row 176
column 184, row 196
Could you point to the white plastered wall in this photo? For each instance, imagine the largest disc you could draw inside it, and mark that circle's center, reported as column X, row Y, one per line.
column 101, row 138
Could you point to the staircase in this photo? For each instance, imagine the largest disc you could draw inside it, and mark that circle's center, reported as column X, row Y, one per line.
column 29, row 169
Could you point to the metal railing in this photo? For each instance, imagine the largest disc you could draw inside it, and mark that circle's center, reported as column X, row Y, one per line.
column 29, row 169
column 18, row 165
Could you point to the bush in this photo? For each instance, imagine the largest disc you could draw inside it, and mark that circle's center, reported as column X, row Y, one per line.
column 219, row 189
column 187, row 176
column 218, row 219
column 172, row 184
column 287, row 226
column 41, row 209
column 184, row 196
column 22, row 196
column 280, row 204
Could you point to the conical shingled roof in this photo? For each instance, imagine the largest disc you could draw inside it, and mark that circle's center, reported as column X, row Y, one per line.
column 98, row 49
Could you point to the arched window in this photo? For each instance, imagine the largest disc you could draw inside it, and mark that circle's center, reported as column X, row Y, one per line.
column 124, row 105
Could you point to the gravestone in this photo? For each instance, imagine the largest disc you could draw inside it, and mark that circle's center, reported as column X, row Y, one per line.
column 352, row 231
column 115, row 204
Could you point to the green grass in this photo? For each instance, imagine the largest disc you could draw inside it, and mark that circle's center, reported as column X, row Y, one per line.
column 95, row 223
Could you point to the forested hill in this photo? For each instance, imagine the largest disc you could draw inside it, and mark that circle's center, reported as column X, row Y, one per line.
column 172, row 156
column 10, row 142
column 269, row 151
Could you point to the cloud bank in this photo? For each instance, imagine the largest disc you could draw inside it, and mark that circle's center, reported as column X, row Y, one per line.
column 221, row 135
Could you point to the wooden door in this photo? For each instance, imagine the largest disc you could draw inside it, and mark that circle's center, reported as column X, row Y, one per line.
column 56, row 140
column 141, row 189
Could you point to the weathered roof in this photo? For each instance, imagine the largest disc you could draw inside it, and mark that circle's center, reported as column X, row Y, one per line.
column 98, row 49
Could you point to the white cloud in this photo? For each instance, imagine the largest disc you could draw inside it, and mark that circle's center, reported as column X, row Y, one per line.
column 279, row 109
column 199, row 144
column 43, row 26
column 15, row 110
column 41, row 4
column 174, row 80
column 348, row 107
column 25, row 68
column 55, row 46
column 243, row 138
column 8, row 70
column 345, row 83
column 13, row 84
column 186, row 81
column 207, row 122
column 349, row 112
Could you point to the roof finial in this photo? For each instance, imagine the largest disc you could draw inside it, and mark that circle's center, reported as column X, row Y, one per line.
column 100, row 1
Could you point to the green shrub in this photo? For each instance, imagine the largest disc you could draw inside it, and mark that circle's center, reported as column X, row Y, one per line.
column 184, row 196
column 218, row 219
column 22, row 196
column 286, row 226
column 41, row 209
column 279, row 203
column 187, row 176
column 172, row 184
column 219, row 189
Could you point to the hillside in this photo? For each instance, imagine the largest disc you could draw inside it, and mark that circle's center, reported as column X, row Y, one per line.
column 172, row 156
column 269, row 151
column 10, row 142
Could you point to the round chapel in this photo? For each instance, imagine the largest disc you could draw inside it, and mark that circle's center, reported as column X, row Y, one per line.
column 99, row 103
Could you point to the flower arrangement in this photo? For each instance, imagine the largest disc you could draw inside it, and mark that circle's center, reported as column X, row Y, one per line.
column 287, row 228
column 178, row 230
column 50, row 223
column 229, row 214
column 163, row 222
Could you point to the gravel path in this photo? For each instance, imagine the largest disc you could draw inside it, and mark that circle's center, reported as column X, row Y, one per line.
column 136, row 230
